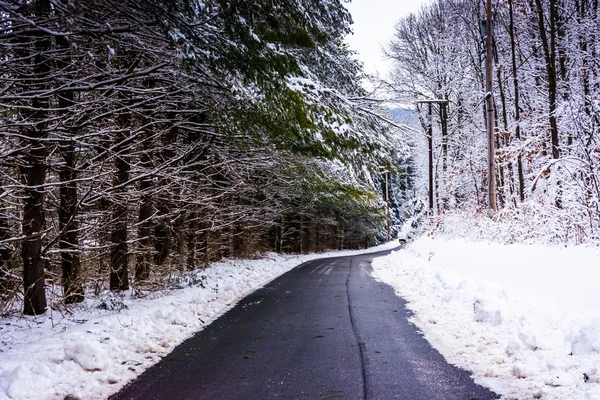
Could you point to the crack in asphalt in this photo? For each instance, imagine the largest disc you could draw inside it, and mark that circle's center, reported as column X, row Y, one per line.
column 359, row 341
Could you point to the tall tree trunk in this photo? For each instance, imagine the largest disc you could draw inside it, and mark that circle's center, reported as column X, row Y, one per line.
column 301, row 233
column 279, row 236
column 549, row 46
column 203, row 237
column 33, row 173
column 144, row 256
column 162, row 231
column 119, row 274
column 6, row 249
column 191, row 240
column 563, row 59
column 312, row 235
column 585, row 57
column 521, row 176
column 437, row 189
column 504, row 137
column 68, row 209
column 489, row 103
column 500, row 192
column 178, row 228
column 550, row 57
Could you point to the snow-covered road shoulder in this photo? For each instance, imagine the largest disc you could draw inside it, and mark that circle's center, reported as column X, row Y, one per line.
column 92, row 352
column 524, row 318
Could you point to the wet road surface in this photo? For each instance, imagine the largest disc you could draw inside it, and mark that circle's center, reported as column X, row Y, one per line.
column 325, row 330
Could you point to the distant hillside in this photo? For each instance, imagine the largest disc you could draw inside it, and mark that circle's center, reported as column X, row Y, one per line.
column 404, row 115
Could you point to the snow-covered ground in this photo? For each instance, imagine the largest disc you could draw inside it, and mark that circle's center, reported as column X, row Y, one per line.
column 92, row 352
column 524, row 318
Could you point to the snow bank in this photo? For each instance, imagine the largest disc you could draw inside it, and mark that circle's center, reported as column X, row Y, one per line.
column 104, row 343
column 524, row 318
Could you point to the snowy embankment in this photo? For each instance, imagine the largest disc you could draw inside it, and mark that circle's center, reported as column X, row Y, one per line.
column 524, row 318
column 91, row 353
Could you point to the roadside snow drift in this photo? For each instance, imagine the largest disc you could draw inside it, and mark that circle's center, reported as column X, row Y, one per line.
column 524, row 318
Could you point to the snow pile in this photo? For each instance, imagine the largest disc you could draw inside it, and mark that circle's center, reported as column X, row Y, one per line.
column 109, row 340
column 523, row 318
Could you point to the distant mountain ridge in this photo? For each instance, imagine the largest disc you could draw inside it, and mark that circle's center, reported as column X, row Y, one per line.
column 403, row 115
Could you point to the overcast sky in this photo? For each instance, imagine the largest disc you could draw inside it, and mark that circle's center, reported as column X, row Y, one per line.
column 373, row 27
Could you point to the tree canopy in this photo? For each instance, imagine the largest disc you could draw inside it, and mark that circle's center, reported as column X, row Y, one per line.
column 157, row 135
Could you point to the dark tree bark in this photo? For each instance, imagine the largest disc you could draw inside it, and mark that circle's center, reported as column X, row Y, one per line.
column 202, row 239
column 191, row 240
column 119, row 278
column 162, row 231
column 504, row 139
column 549, row 46
column 69, row 226
column 162, row 241
column 520, row 174
column 6, row 250
column 144, row 256
column 33, row 173
column 500, row 169
column 68, row 209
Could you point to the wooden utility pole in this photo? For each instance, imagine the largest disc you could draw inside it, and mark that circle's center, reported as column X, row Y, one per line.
column 489, row 102
column 430, row 143
column 387, row 204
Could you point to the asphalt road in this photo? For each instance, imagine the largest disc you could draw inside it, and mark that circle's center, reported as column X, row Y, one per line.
column 325, row 330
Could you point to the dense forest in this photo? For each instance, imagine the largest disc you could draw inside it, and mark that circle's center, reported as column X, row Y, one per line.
column 143, row 138
column 546, row 85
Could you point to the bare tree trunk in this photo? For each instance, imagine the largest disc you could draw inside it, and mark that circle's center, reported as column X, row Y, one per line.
column 583, row 46
column 191, row 240
column 178, row 229
column 490, row 111
column 549, row 47
column 521, row 176
column 504, row 138
column 6, row 250
column 119, row 276
column 301, row 234
column 437, row 188
column 69, row 226
column 33, row 172
column 68, row 209
column 279, row 237
column 563, row 60
column 162, row 230
column 144, row 256
column 203, row 237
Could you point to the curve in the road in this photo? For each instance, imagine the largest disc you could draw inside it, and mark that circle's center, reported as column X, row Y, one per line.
column 325, row 330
